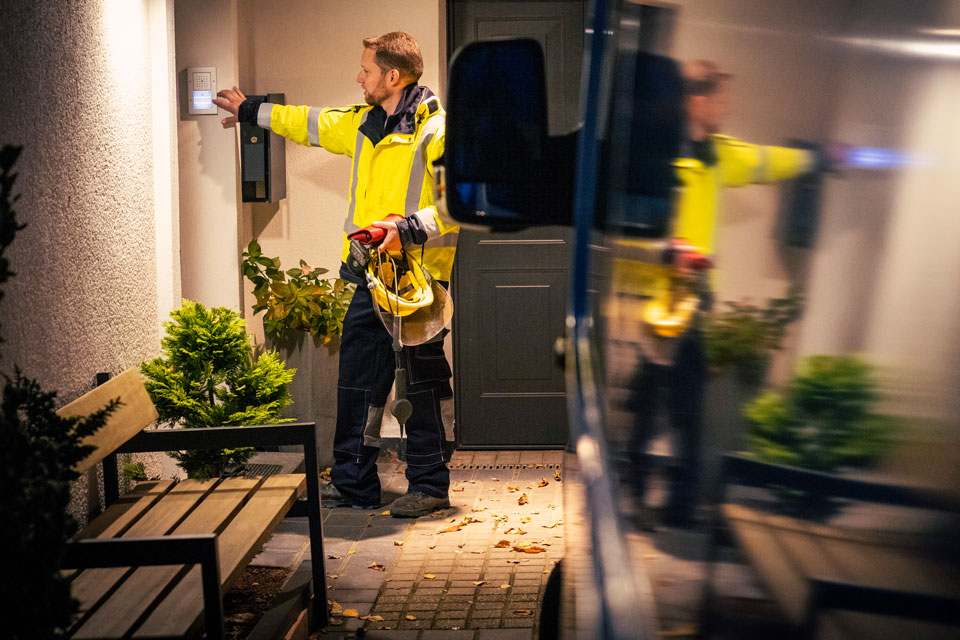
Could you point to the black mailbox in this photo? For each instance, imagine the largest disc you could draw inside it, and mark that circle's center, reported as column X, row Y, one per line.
column 263, row 175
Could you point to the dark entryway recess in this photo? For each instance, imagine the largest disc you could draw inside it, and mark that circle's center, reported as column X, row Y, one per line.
column 511, row 288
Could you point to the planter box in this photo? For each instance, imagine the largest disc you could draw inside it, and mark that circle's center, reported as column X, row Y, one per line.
column 724, row 426
column 314, row 387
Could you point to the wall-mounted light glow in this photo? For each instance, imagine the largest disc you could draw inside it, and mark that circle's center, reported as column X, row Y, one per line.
column 918, row 48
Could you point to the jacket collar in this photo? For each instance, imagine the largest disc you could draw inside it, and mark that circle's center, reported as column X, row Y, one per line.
column 379, row 125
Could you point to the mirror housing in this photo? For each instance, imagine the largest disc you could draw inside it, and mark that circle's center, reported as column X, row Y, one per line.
column 500, row 167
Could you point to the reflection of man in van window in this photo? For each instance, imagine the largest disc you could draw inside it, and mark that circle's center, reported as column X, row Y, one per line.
column 709, row 160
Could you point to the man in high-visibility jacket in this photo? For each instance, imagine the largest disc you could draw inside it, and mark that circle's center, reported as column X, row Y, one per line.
column 709, row 161
column 393, row 141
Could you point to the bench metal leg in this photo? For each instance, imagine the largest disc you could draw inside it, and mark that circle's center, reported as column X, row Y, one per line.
column 320, row 609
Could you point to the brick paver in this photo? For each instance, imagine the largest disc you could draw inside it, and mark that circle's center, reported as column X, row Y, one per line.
column 475, row 571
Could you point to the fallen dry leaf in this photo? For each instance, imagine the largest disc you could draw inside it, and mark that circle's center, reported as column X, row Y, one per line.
column 450, row 529
column 335, row 608
column 543, row 482
column 531, row 549
column 513, row 489
column 351, row 613
column 386, row 513
column 398, row 543
column 504, row 586
column 538, row 466
column 429, row 576
column 523, row 499
column 372, row 618
column 478, row 510
column 553, row 525
column 325, row 474
column 332, row 576
column 503, row 544
column 333, row 557
column 457, row 489
column 410, row 617
column 524, row 520
column 479, row 582
column 376, row 567
column 254, row 584
column 523, row 612
column 556, row 475
column 477, row 551
column 351, row 552
column 510, row 530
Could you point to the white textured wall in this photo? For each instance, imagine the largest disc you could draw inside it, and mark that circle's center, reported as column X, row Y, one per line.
column 88, row 91
column 77, row 94
column 311, row 51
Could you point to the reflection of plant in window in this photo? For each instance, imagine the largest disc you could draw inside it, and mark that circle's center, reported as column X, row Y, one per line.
column 744, row 337
column 207, row 377
column 824, row 418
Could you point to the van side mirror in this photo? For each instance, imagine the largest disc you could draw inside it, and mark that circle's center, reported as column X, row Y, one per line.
column 500, row 167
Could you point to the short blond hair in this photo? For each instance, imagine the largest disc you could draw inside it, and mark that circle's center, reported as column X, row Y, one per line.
column 397, row 50
column 702, row 77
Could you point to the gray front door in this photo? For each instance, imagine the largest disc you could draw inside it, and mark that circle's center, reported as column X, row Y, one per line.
column 511, row 288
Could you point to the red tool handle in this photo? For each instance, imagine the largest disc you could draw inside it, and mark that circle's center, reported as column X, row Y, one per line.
column 369, row 235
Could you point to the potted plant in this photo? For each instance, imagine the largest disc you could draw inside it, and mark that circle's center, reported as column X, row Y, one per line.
column 742, row 338
column 740, row 341
column 208, row 377
column 823, row 420
column 38, row 450
column 303, row 320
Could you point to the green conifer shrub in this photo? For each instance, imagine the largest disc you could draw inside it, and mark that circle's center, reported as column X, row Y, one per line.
column 207, row 377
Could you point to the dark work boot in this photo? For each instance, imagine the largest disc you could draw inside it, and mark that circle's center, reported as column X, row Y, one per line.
column 416, row 504
column 329, row 493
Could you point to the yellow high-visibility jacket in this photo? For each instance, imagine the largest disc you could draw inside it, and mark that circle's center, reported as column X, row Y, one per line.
column 697, row 203
column 395, row 176
column 738, row 163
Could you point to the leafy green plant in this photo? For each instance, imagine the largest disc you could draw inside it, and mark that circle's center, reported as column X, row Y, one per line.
column 38, row 450
column 296, row 299
column 744, row 336
column 207, row 377
column 134, row 471
column 823, row 421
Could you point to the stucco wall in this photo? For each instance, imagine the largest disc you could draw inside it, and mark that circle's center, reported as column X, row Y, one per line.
column 78, row 94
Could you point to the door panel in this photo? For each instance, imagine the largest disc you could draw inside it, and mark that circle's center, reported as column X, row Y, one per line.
column 511, row 287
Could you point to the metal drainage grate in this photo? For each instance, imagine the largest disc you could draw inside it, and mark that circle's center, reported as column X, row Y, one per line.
column 264, row 470
column 506, row 467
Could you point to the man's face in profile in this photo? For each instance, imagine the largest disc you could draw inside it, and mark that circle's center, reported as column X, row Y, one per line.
column 372, row 79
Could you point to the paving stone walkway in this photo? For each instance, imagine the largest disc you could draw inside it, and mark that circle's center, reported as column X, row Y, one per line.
column 475, row 571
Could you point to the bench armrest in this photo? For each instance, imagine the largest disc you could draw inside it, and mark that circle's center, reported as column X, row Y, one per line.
column 738, row 469
column 834, row 594
column 303, row 433
column 175, row 549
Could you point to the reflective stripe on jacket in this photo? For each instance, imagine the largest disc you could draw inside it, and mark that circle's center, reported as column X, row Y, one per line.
column 395, row 176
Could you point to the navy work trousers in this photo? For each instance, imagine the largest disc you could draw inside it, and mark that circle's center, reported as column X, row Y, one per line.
column 367, row 365
column 681, row 385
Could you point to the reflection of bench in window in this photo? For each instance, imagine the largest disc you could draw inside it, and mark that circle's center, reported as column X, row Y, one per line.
column 140, row 576
column 853, row 575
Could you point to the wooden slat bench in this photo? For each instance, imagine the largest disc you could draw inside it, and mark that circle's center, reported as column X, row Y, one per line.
column 157, row 561
column 841, row 581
